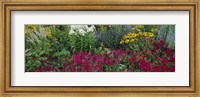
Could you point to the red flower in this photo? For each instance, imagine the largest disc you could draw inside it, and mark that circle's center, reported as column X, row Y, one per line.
column 43, row 61
column 114, row 70
column 162, row 42
column 172, row 59
column 45, row 67
column 155, row 44
column 65, row 65
column 168, row 51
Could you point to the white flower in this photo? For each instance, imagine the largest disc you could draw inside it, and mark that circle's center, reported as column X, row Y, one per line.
column 91, row 29
column 81, row 29
column 75, row 27
column 72, row 32
column 82, row 32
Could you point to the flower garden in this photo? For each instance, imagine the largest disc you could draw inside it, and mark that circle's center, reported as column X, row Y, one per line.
column 100, row 48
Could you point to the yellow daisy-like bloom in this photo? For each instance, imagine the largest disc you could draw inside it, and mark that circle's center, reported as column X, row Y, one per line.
column 140, row 33
column 132, row 40
column 129, row 33
column 121, row 42
column 133, row 35
column 145, row 34
column 137, row 35
column 126, row 41
column 151, row 34
column 124, row 37
column 128, row 36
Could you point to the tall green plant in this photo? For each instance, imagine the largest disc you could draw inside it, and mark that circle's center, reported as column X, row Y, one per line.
column 60, row 38
column 79, row 42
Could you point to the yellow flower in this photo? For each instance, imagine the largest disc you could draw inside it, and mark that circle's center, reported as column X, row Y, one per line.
column 121, row 42
column 132, row 40
column 133, row 28
column 128, row 36
column 151, row 34
column 133, row 35
column 137, row 35
column 129, row 33
column 145, row 34
column 126, row 41
column 140, row 33
column 124, row 37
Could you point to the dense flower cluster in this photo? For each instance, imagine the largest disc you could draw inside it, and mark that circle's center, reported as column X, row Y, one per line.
column 99, row 48
column 133, row 36
column 110, row 61
column 129, row 38
column 81, row 29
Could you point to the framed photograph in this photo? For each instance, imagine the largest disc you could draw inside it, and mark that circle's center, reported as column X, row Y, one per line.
column 100, row 48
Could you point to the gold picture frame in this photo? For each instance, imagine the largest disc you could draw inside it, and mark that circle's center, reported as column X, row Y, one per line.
column 193, row 90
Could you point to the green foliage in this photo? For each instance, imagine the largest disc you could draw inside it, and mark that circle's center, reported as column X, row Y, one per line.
column 59, row 38
column 61, row 53
column 34, row 59
column 78, row 42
